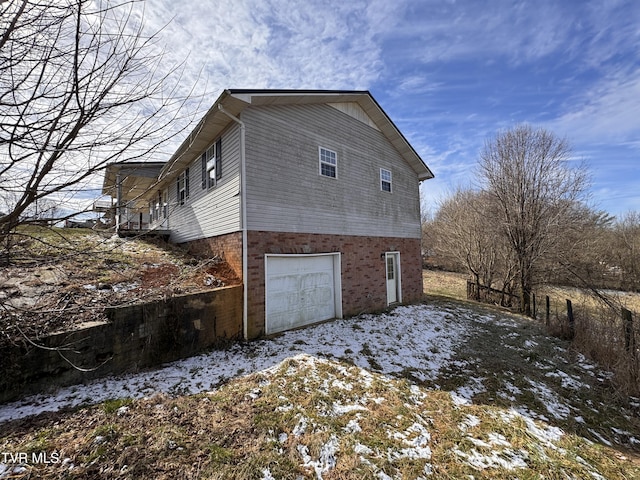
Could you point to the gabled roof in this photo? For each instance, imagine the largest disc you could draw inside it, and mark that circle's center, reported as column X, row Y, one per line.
column 236, row 100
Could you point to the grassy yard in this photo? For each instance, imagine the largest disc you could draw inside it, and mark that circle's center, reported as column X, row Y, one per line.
column 445, row 284
column 447, row 389
column 442, row 390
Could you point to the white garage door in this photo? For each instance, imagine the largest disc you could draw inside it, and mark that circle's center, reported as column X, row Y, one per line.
column 300, row 290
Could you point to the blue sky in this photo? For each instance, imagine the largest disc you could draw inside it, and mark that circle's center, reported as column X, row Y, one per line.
column 450, row 74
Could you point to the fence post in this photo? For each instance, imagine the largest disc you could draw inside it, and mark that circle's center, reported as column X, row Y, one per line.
column 572, row 324
column 548, row 312
column 534, row 306
column 629, row 337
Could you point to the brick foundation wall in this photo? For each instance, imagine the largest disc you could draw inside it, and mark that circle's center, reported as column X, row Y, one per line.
column 228, row 247
column 363, row 269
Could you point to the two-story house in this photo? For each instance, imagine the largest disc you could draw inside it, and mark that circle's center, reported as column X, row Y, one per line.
column 311, row 196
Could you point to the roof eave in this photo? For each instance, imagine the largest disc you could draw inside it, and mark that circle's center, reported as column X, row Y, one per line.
column 234, row 101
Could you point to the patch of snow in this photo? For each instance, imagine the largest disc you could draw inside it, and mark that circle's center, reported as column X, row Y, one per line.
column 300, row 428
column 498, row 439
column 266, row 474
column 327, row 459
column 599, row 437
column 551, row 401
column 494, row 440
column 396, row 352
column 362, row 449
column 546, row 435
column 342, row 409
column 567, row 380
column 511, row 388
column 124, row 287
column 417, row 395
column 417, row 438
column 471, row 389
column 458, row 400
column 342, row 385
column 469, row 422
column 353, row 426
column 507, row 459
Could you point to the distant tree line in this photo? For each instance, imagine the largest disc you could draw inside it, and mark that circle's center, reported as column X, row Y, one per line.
column 528, row 223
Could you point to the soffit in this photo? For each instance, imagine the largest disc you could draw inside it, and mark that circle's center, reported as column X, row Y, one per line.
column 136, row 179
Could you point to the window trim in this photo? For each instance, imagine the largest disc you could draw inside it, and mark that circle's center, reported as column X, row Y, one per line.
column 322, row 162
column 182, row 185
column 384, row 180
column 165, row 206
column 211, row 161
column 158, row 206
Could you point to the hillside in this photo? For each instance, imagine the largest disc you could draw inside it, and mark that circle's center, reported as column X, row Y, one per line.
column 58, row 278
column 440, row 390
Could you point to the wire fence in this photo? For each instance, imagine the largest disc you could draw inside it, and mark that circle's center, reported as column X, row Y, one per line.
column 603, row 326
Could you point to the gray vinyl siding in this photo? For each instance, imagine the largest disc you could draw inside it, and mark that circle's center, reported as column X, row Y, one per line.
column 286, row 193
column 214, row 211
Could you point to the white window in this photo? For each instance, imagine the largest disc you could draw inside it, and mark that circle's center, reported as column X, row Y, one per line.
column 165, row 196
column 183, row 187
column 211, row 164
column 156, row 213
column 328, row 163
column 385, row 180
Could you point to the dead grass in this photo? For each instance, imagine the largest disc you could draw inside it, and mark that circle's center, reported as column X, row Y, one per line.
column 445, row 284
column 310, row 418
column 600, row 332
column 599, row 328
column 62, row 278
column 306, row 418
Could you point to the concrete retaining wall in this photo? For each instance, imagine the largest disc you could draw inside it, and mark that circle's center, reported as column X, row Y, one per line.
column 136, row 337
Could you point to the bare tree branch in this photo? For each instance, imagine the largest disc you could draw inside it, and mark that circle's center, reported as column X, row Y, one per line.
column 81, row 86
column 527, row 171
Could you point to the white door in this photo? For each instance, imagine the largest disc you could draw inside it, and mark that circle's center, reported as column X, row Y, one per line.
column 393, row 277
column 301, row 290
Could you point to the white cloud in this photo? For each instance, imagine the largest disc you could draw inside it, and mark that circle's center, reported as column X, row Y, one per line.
column 276, row 44
column 607, row 112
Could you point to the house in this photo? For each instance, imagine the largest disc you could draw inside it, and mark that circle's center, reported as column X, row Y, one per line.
column 312, row 197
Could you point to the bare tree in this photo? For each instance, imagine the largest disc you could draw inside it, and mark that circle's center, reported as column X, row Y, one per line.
column 528, row 173
column 463, row 234
column 623, row 251
column 81, row 85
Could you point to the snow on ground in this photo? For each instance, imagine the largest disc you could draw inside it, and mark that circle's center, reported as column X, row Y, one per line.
column 421, row 342
column 418, row 341
column 419, row 338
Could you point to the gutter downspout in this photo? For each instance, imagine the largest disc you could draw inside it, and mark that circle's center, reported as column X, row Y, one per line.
column 243, row 219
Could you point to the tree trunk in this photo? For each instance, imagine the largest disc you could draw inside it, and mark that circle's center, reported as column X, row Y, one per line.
column 525, row 295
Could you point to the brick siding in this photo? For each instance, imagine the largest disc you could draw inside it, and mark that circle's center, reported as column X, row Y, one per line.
column 228, row 247
column 363, row 269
